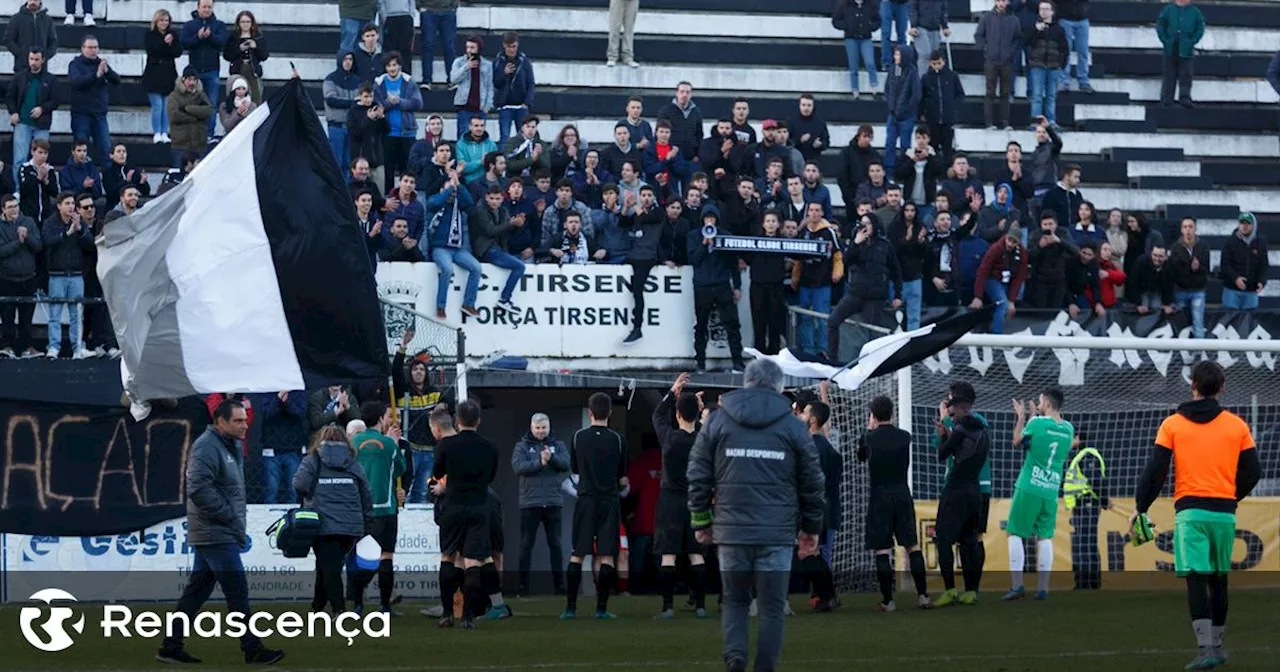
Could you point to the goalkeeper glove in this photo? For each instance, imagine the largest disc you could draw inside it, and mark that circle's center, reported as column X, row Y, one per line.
column 1141, row 530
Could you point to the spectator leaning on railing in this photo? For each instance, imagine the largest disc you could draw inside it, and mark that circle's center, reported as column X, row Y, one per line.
column 20, row 245
column 1001, row 275
column 1244, row 265
column 1189, row 267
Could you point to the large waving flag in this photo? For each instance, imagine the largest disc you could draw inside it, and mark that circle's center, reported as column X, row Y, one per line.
column 251, row 275
column 886, row 354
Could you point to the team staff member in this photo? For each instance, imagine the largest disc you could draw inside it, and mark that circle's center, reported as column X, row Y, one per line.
column 815, row 415
column 675, row 421
column 541, row 461
column 468, row 463
column 891, row 513
column 1215, row 466
column 960, row 505
column 1085, row 498
column 416, row 398
column 598, row 455
column 383, row 463
column 216, row 532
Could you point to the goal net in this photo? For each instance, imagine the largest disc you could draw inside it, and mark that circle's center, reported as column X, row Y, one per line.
column 1116, row 398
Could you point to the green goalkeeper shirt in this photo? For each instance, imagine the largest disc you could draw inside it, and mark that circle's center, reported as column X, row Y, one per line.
column 1047, row 442
column 383, row 462
column 984, row 476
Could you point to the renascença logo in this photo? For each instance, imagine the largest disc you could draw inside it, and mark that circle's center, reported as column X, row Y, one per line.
column 54, row 626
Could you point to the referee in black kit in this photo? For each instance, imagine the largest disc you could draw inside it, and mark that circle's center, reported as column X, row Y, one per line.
column 891, row 512
column 676, row 422
column 598, row 455
column 468, row 462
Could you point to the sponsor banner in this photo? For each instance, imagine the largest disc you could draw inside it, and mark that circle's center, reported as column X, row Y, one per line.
column 83, row 470
column 156, row 563
column 774, row 245
column 574, row 311
column 1256, row 553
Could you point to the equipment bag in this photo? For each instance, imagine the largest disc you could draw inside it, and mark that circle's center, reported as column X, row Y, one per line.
column 295, row 532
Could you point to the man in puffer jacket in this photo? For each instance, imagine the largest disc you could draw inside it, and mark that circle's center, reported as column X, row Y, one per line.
column 941, row 95
column 1244, row 265
column 902, row 95
column 542, row 463
column 761, row 464
column 999, row 36
column 873, row 266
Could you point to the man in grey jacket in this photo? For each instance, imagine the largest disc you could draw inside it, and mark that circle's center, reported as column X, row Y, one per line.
column 999, row 36
column 473, row 76
column 542, row 463
column 761, row 464
column 216, row 531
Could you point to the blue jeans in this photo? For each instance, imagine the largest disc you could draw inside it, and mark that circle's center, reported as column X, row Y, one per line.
column 443, row 25
column 852, row 50
column 423, row 462
column 1234, row 299
column 349, row 36
column 812, row 335
column 897, row 134
column 1043, row 87
column 499, row 257
column 1077, row 41
column 464, row 120
column 445, row 258
column 338, row 143
column 996, row 293
column 891, row 14
column 209, row 80
column 1151, row 300
column 159, row 113
column 87, row 5
column 216, row 565
column 284, row 463
column 65, row 287
column 912, row 295
column 22, row 137
column 93, row 128
column 768, row 570
column 1182, row 298
column 510, row 117
column 828, row 543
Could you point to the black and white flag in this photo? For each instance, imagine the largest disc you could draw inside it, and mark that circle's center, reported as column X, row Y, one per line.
column 886, row 354
column 251, row 275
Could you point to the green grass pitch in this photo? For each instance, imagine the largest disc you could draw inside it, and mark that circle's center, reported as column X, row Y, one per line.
column 1072, row 632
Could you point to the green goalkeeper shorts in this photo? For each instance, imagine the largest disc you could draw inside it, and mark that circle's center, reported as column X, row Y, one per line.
column 1031, row 515
column 1202, row 541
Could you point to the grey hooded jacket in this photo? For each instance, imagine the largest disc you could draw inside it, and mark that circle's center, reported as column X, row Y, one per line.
column 539, row 483
column 215, row 491
column 762, row 466
column 332, row 482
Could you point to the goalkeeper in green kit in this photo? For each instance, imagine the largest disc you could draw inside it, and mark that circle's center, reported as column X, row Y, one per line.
column 1034, row 510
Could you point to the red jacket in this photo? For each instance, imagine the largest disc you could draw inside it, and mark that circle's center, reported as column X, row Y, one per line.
column 1107, row 286
column 993, row 266
column 212, row 401
column 645, row 477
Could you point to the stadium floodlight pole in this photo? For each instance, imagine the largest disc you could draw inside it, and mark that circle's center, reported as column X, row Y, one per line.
column 1116, row 343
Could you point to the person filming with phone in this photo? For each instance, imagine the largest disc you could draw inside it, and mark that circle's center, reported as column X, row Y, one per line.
column 873, row 266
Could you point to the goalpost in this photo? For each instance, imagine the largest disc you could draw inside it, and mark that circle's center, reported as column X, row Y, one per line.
column 1118, row 391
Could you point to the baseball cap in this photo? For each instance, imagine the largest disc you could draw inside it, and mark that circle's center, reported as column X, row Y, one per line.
column 769, row 123
column 1248, row 218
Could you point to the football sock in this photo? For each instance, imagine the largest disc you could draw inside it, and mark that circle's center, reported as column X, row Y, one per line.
column 1017, row 560
column 1044, row 564
column 916, row 561
column 492, row 584
column 1218, row 605
column 884, row 574
column 604, row 582
column 667, row 579
column 448, row 586
column 473, row 593
column 947, row 565
column 386, row 581
column 573, row 576
column 972, row 555
column 1203, row 628
column 698, row 585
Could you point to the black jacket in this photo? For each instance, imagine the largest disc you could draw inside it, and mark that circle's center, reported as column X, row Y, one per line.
column 853, row 166
column 927, row 14
column 1140, row 244
column 872, row 266
column 1179, row 265
column 64, row 254
column 815, row 128
column 741, row 218
column 999, row 36
column 759, row 462
column 912, row 252
column 161, row 72
column 1049, row 263
column 1063, row 204
column 941, row 95
column 711, row 269
column 245, row 62
column 767, row 269
column 18, row 260
column 905, row 172
column 612, row 158
column 1073, row 10
column 1246, row 260
column 114, row 178
column 686, row 126
column 28, row 29
column 46, row 99
column 1046, row 48
column 364, row 136
column 1146, row 278
column 1082, row 277
column 857, row 18
column 36, row 197
column 711, row 158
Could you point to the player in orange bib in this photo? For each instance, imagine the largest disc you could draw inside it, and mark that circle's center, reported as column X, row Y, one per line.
column 1215, row 466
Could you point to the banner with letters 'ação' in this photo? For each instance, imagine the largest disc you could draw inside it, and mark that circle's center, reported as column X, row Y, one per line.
column 76, row 470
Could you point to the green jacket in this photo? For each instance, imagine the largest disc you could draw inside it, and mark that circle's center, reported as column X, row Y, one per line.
column 383, row 462
column 984, row 476
column 1180, row 27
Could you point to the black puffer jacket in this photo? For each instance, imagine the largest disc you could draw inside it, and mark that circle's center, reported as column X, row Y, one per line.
column 857, row 18
column 762, row 466
column 1245, row 259
column 873, row 265
column 334, row 484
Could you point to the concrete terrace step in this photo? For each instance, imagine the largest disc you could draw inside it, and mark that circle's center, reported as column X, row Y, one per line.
column 1117, row 125
column 1255, row 14
column 1175, row 209
column 1162, row 169
column 1170, row 182
column 1142, row 154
